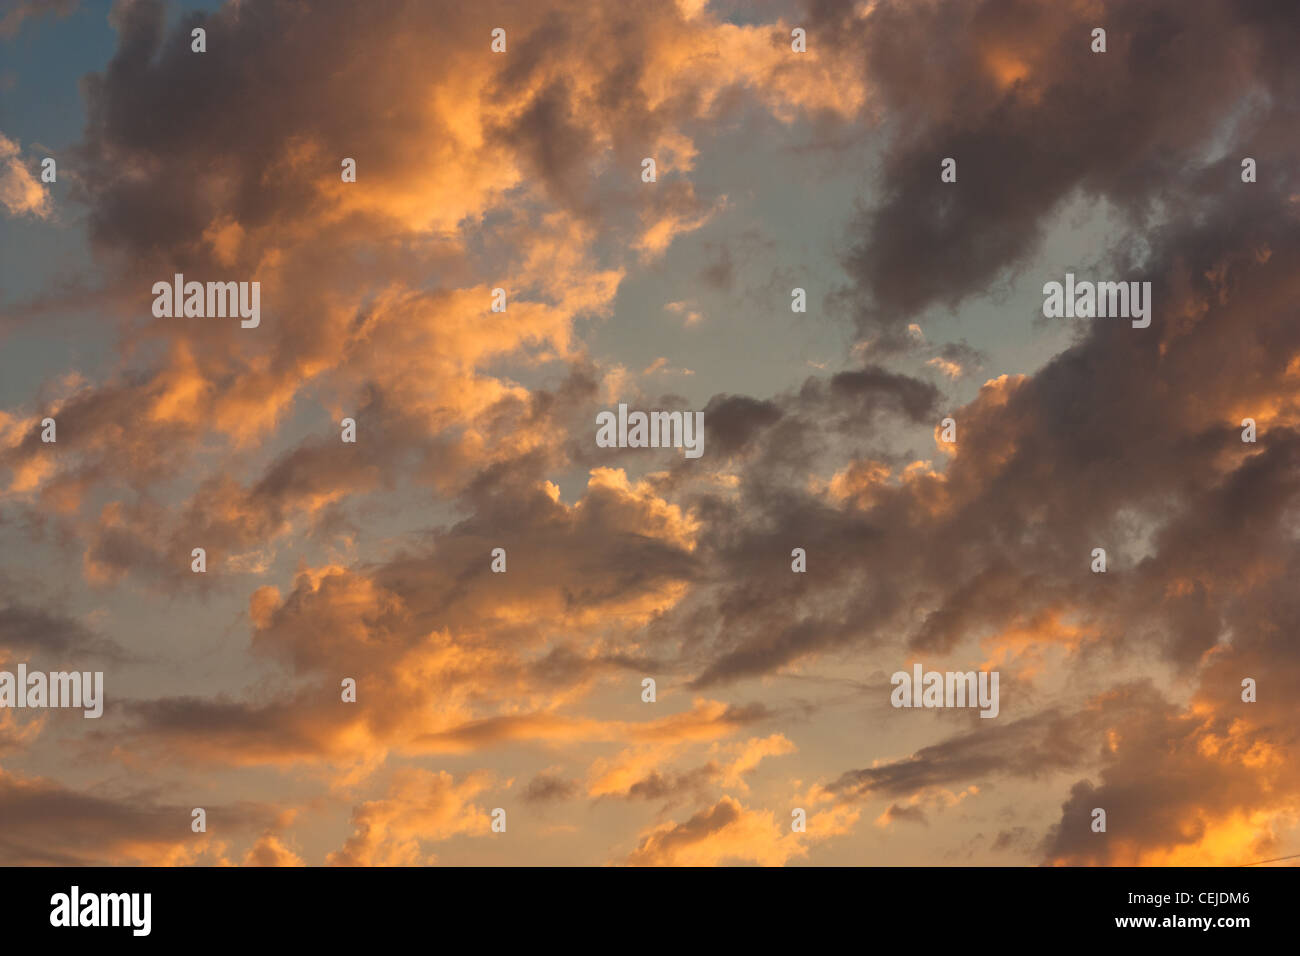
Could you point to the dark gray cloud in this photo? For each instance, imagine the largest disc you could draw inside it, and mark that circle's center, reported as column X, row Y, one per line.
column 49, row 825
column 1113, row 125
column 46, row 634
column 1044, row 742
column 546, row 787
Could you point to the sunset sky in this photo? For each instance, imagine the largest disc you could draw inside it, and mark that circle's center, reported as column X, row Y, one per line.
column 775, row 170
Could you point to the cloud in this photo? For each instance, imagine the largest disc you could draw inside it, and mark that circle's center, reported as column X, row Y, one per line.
column 546, row 787
column 726, row 833
column 19, row 10
column 49, row 824
column 35, row 632
column 419, row 808
column 521, row 172
column 271, row 850
column 20, row 191
column 1013, row 92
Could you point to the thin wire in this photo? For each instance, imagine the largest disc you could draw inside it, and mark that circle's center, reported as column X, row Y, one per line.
column 1279, row 859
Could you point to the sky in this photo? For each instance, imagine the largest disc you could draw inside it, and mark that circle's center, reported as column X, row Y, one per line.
column 918, row 468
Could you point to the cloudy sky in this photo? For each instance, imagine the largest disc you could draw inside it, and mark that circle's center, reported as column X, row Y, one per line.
column 475, row 430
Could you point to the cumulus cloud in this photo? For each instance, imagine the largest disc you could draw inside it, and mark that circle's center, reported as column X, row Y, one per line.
column 21, row 192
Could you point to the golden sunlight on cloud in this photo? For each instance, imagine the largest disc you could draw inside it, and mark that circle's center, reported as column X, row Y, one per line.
column 21, row 193
column 419, row 808
column 726, row 833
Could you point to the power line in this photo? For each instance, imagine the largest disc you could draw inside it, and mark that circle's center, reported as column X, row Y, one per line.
column 1279, row 859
